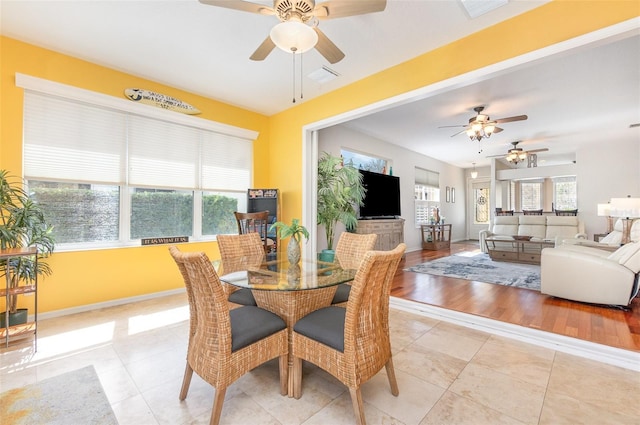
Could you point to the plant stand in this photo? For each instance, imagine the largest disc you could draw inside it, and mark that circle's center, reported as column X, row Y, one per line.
column 13, row 332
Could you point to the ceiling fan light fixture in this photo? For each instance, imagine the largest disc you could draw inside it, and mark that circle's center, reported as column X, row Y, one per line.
column 294, row 37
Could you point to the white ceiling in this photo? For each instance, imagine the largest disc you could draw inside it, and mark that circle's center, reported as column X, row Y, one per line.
column 588, row 97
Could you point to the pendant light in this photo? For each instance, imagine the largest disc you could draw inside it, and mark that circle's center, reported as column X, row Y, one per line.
column 474, row 172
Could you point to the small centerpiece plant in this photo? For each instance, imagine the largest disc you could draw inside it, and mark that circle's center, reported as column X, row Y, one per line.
column 296, row 231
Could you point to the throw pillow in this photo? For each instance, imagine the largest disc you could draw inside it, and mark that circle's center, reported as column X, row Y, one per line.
column 614, row 238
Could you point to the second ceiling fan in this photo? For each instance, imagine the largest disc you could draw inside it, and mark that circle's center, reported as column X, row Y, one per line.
column 301, row 17
column 482, row 126
column 516, row 154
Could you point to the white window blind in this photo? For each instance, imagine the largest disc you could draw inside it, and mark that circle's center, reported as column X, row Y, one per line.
column 226, row 162
column 74, row 141
column 162, row 154
column 67, row 140
column 427, row 178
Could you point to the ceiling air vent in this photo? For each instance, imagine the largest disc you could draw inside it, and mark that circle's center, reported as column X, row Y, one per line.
column 323, row 75
column 476, row 8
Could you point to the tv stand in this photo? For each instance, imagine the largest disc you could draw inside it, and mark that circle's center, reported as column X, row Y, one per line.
column 390, row 231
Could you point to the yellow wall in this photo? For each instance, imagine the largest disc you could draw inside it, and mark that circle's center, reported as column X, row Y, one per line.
column 95, row 276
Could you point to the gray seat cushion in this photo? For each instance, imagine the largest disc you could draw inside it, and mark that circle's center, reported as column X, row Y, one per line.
column 250, row 324
column 342, row 294
column 242, row 296
column 325, row 325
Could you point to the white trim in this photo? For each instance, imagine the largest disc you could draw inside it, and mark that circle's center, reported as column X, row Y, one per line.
column 105, row 304
column 74, row 93
column 472, row 77
column 614, row 356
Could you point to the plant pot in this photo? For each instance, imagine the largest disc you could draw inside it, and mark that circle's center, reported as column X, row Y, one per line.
column 18, row 318
column 327, row 255
column 293, row 251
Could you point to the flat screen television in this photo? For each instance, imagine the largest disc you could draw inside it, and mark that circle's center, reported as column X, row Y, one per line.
column 382, row 199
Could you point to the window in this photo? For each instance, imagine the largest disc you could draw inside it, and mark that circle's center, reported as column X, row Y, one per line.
column 365, row 162
column 427, row 195
column 531, row 195
column 565, row 193
column 109, row 177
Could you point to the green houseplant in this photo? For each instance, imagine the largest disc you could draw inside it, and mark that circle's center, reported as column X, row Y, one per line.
column 340, row 191
column 294, row 230
column 22, row 225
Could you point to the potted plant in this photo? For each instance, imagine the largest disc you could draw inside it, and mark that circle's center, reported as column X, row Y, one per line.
column 22, row 225
column 340, row 191
column 296, row 231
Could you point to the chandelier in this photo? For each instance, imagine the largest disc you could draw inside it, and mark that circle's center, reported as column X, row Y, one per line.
column 516, row 154
column 480, row 127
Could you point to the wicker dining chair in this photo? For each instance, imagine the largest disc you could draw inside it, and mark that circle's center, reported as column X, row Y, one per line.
column 352, row 343
column 503, row 212
column 350, row 251
column 532, row 212
column 226, row 344
column 255, row 222
column 246, row 247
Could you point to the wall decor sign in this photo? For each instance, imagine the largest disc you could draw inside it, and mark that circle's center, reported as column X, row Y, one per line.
column 159, row 100
column 160, row 241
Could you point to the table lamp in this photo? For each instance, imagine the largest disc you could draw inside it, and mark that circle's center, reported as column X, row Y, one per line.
column 627, row 209
column 604, row 210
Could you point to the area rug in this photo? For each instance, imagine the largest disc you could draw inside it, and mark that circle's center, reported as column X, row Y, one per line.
column 71, row 398
column 479, row 267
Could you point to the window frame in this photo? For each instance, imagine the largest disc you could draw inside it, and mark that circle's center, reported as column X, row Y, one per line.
column 74, row 94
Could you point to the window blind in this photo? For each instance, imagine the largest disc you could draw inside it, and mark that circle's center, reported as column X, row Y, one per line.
column 427, row 178
column 66, row 140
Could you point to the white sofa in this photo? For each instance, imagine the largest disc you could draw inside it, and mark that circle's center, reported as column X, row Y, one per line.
column 540, row 227
column 613, row 239
column 591, row 275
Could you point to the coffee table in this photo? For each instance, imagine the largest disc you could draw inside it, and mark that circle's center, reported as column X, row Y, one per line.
column 505, row 248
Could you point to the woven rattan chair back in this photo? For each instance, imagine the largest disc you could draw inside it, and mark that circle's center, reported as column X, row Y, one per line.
column 210, row 353
column 236, row 251
column 367, row 344
column 504, row 212
column 532, row 212
column 193, row 316
column 351, row 248
column 255, row 222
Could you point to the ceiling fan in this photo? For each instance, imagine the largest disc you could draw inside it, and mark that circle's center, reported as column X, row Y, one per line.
column 516, row 154
column 482, row 125
column 302, row 13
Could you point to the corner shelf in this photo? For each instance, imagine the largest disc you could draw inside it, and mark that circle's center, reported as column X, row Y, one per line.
column 14, row 332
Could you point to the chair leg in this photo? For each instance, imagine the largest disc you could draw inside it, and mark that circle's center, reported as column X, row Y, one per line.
column 186, row 381
column 297, row 377
column 218, row 399
column 358, row 406
column 391, row 374
column 283, row 365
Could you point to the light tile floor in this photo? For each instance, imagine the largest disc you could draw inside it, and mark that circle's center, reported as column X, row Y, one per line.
column 447, row 374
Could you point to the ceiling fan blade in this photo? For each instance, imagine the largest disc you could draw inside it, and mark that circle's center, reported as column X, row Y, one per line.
column 453, row 126
column 459, row 132
column 538, row 150
column 340, row 9
column 497, row 130
column 263, row 50
column 244, row 6
column 510, row 119
column 327, row 49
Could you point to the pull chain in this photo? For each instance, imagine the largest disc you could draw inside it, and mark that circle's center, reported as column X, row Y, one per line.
column 301, row 79
column 293, row 51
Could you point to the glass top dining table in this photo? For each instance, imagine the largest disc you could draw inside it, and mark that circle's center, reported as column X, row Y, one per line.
column 280, row 275
column 288, row 290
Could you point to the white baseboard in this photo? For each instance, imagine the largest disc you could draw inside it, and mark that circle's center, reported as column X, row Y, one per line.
column 615, row 356
column 112, row 303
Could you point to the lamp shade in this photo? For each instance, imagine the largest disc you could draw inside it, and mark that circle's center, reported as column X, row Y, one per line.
column 604, row 210
column 294, row 37
column 625, row 207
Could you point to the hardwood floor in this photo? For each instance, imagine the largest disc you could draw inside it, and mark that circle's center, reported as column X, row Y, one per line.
column 603, row 325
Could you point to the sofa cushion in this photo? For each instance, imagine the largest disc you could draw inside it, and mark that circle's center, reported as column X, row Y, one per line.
column 625, row 252
column 562, row 226
column 532, row 225
column 505, row 225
